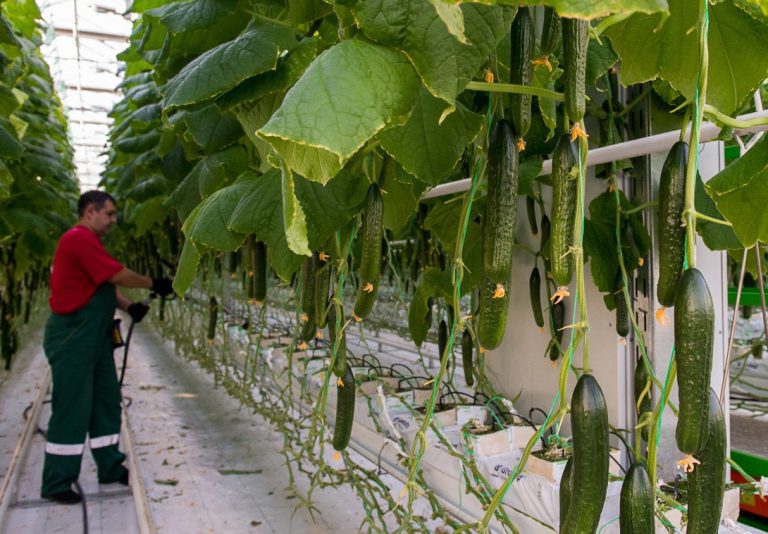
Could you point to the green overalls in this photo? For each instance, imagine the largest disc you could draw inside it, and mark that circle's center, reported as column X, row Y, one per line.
column 86, row 395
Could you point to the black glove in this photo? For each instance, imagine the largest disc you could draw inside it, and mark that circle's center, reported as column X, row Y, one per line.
column 162, row 286
column 137, row 311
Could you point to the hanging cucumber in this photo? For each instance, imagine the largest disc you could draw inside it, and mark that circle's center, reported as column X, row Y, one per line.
column 259, row 271
column 566, row 488
column 341, row 353
column 370, row 263
column 442, row 337
column 308, row 269
column 694, row 331
column 213, row 313
column 636, row 502
column 534, row 288
column 544, row 245
column 345, row 410
column 550, row 32
column 530, row 209
column 522, row 39
column 622, row 314
column 575, row 42
column 706, row 482
column 642, row 405
column 322, row 287
column 492, row 318
column 670, row 223
column 589, row 425
column 498, row 234
column 467, row 358
column 564, row 174
column 557, row 312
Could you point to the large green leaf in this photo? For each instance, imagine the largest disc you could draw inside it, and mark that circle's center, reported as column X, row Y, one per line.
column 208, row 224
column 209, row 174
column 740, row 192
column 187, row 269
column 294, row 220
column 260, row 212
column 417, row 28
column 426, row 148
column 738, row 51
column 211, row 129
column 10, row 148
column 289, row 68
column 716, row 236
column 401, row 199
column 222, row 68
column 348, row 94
column 180, row 17
column 254, row 115
column 147, row 214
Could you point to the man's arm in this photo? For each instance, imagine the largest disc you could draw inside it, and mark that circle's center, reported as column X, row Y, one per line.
column 128, row 278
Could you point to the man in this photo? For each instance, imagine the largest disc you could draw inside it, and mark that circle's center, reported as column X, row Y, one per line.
column 79, row 347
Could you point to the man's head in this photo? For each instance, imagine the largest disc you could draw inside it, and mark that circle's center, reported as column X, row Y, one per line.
column 97, row 211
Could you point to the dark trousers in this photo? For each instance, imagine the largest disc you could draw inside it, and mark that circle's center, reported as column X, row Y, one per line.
column 86, row 394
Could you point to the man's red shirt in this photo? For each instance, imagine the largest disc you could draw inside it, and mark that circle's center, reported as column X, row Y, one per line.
column 80, row 266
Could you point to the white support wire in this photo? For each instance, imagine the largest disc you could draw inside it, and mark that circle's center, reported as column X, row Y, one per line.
column 625, row 150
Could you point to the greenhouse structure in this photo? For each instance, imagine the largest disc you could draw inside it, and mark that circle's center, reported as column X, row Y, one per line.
column 440, row 266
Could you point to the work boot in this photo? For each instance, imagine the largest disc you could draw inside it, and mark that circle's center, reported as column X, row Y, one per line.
column 123, row 479
column 64, row 497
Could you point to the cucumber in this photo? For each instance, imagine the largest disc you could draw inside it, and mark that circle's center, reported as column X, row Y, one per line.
column 550, row 32
column 564, row 173
column 557, row 312
column 644, row 405
column 308, row 269
column 706, row 482
column 670, row 223
column 498, row 234
column 522, row 39
column 694, row 332
column 467, row 357
column 341, row 353
column 501, row 204
column 530, row 209
column 628, row 237
column 259, row 267
column 213, row 313
column 534, row 288
column 322, row 287
column 575, row 43
column 442, row 338
column 636, row 502
column 622, row 313
column 566, row 488
column 589, row 425
column 345, row 411
column 492, row 318
column 544, row 244
column 370, row 263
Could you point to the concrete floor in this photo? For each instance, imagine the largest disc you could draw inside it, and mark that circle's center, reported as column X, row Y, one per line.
column 208, row 465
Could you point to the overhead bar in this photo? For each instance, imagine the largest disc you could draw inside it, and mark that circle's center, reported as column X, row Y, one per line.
column 625, row 150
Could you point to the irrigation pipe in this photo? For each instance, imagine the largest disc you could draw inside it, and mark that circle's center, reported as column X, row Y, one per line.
column 626, row 150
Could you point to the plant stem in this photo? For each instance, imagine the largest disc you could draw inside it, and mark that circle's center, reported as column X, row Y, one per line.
column 714, row 113
column 693, row 144
column 514, row 88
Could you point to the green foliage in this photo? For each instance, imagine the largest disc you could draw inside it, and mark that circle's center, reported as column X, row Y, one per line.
column 738, row 51
column 740, row 192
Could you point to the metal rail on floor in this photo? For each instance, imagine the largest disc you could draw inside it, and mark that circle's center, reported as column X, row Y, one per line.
column 7, row 492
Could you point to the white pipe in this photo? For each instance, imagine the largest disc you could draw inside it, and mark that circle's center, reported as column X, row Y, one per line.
column 626, row 150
